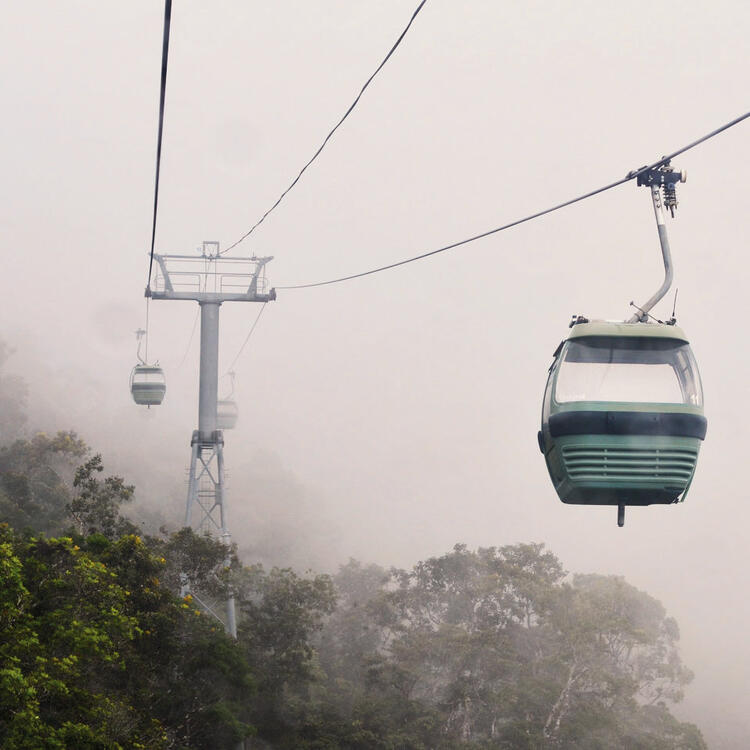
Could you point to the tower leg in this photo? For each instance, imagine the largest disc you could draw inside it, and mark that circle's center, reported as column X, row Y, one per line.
column 192, row 478
column 206, row 509
column 191, row 499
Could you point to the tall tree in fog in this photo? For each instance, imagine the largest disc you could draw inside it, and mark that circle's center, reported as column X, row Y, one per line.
column 495, row 648
column 36, row 481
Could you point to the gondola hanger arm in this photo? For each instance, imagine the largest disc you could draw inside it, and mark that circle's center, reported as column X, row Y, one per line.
column 662, row 182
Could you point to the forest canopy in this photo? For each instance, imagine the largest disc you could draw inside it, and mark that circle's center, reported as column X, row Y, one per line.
column 495, row 647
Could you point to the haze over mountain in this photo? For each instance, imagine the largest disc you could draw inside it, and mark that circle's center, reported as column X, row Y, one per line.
column 390, row 417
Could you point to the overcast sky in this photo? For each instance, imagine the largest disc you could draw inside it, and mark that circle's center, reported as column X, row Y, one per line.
column 401, row 408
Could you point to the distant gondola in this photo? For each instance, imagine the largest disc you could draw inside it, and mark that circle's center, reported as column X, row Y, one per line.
column 226, row 414
column 147, row 385
column 147, row 382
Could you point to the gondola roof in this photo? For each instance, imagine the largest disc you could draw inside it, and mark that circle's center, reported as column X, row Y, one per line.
column 617, row 328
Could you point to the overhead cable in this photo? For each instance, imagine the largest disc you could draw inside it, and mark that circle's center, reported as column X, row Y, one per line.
column 163, row 90
column 247, row 338
column 629, row 176
column 190, row 340
column 328, row 137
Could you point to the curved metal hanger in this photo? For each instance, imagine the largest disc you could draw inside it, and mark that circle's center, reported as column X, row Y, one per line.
column 139, row 334
column 662, row 180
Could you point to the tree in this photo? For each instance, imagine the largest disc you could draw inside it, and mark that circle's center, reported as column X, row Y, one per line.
column 66, row 625
column 95, row 507
column 351, row 635
column 35, row 481
column 185, row 671
column 494, row 648
column 199, row 559
column 280, row 611
column 42, row 490
column 96, row 653
column 614, row 655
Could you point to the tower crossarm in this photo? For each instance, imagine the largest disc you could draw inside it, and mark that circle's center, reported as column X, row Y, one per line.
column 211, row 278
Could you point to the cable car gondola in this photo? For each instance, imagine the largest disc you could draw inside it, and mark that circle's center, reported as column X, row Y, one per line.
column 147, row 385
column 622, row 419
column 226, row 408
column 622, row 415
column 226, row 414
column 147, row 382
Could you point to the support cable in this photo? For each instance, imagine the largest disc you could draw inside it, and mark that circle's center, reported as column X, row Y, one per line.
column 148, row 300
column 629, row 176
column 163, row 90
column 328, row 137
column 247, row 338
column 190, row 340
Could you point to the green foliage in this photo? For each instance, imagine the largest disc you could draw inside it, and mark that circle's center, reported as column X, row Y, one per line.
column 95, row 507
column 493, row 648
column 279, row 613
column 96, row 653
column 184, row 672
column 199, row 559
column 485, row 649
column 67, row 630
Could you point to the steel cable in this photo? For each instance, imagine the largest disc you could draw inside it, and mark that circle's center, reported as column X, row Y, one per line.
column 247, row 338
column 328, row 137
column 630, row 176
column 163, row 90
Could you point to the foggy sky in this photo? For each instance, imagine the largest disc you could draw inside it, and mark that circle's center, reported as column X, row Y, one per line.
column 397, row 414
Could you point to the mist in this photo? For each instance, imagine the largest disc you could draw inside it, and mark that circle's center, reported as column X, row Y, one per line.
column 390, row 417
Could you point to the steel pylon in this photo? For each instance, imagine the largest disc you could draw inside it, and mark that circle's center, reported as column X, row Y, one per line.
column 209, row 279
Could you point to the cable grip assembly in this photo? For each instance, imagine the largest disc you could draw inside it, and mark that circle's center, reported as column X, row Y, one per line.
column 662, row 181
column 666, row 179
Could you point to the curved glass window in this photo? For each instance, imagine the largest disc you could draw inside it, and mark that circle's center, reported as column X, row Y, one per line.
column 630, row 369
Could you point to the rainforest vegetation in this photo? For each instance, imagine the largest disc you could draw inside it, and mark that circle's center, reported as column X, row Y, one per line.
column 489, row 648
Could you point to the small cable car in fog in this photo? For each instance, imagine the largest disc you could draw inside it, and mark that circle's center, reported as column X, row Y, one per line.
column 147, row 382
column 622, row 415
column 147, row 385
column 226, row 414
column 226, row 408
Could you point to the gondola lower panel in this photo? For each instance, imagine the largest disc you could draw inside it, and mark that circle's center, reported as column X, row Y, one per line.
column 622, row 469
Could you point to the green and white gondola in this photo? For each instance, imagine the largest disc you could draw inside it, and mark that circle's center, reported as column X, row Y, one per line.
column 622, row 417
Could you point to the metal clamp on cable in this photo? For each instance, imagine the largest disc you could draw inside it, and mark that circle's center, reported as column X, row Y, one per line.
column 665, row 178
column 662, row 181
